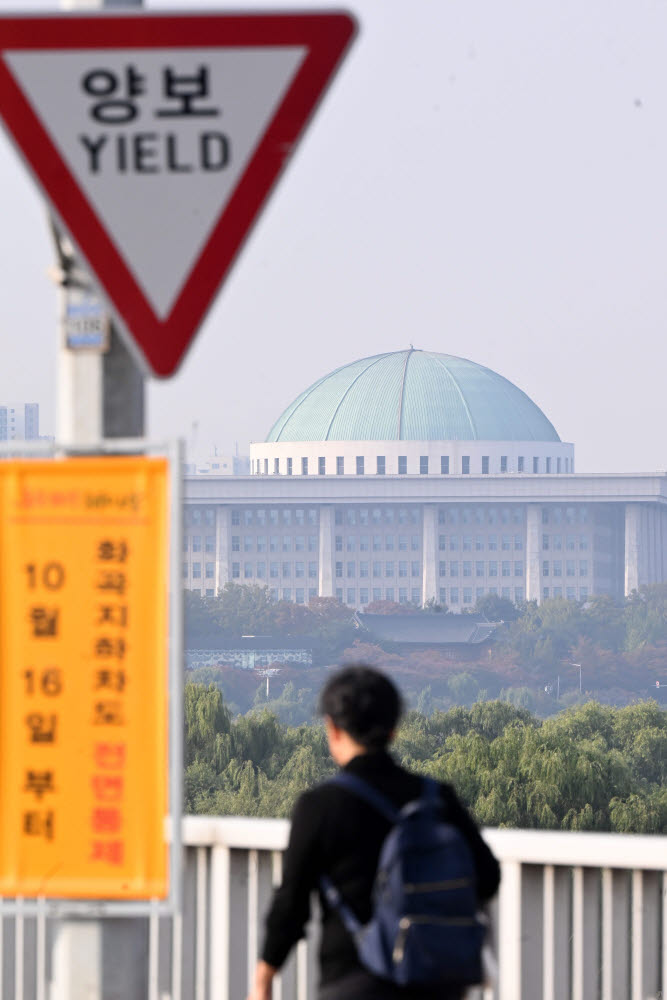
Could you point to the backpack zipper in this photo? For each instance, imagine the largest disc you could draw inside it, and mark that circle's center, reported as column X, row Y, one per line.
column 454, row 883
column 406, row 922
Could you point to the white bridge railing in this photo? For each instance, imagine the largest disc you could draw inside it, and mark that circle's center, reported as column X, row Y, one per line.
column 579, row 916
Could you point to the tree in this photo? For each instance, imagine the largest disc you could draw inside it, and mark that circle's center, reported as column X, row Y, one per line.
column 646, row 616
column 244, row 610
column 390, row 608
column 425, row 701
column 206, row 719
column 593, row 767
column 496, row 609
column 603, row 622
column 200, row 629
column 435, row 607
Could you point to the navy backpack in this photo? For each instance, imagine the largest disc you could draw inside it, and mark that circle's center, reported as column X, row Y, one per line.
column 424, row 928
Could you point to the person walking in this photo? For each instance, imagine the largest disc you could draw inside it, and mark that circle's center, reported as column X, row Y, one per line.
column 337, row 835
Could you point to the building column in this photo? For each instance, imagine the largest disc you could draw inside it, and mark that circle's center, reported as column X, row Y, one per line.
column 429, row 539
column 654, row 541
column 633, row 517
column 223, row 569
column 326, row 588
column 533, row 552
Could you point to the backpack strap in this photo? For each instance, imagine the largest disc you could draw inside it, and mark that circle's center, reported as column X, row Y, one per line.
column 369, row 794
column 336, row 902
column 377, row 801
column 431, row 792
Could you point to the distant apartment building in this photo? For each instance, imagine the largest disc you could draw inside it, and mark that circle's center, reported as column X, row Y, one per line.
column 19, row 421
column 415, row 476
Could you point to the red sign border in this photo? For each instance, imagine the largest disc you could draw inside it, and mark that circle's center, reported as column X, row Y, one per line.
column 325, row 36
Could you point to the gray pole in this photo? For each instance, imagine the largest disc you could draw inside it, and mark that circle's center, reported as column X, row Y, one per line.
column 99, row 396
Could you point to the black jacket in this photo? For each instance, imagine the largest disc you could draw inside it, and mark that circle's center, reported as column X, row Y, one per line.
column 337, row 833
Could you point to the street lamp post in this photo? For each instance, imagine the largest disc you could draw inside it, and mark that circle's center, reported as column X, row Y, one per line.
column 571, row 664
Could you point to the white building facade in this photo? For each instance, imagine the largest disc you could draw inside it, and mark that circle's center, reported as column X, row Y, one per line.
column 402, row 493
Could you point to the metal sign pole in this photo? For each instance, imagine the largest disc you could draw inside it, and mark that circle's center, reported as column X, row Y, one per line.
column 100, row 387
column 100, row 395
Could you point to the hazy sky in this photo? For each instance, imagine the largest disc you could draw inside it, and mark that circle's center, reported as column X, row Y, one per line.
column 484, row 179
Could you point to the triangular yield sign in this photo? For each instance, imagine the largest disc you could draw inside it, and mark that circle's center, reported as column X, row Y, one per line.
column 157, row 139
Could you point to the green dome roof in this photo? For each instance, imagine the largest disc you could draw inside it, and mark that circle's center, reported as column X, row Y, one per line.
column 413, row 396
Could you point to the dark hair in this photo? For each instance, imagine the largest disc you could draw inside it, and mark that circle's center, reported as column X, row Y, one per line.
column 364, row 703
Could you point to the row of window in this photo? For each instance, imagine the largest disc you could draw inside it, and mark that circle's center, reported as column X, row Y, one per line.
column 555, row 568
column 401, row 594
column 572, row 542
column 359, row 467
column 209, row 570
column 388, row 568
column 257, row 571
column 481, row 542
column 299, row 594
column 567, row 515
column 200, row 515
column 275, row 516
column 379, row 543
column 377, row 515
column 276, row 543
column 452, row 596
column 194, row 543
column 570, row 593
column 481, row 569
column 450, row 514
column 480, row 515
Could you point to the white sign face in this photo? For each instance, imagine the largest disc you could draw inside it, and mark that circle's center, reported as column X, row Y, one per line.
column 157, row 140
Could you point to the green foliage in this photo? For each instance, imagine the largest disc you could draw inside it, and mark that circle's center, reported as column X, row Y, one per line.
column 646, row 616
column 254, row 766
column 206, row 720
column 435, row 607
column 622, row 648
column 496, row 609
column 241, row 610
column 591, row 767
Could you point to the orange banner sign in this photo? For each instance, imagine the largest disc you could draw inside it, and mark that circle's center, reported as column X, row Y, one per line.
column 83, row 677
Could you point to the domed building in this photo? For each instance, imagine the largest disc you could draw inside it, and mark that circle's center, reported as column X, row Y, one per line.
column 415, row 476
column 412, row 413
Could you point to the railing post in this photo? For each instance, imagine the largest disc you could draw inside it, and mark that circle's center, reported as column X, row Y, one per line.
column 276, row 879
column 556, row 947
column 645, row 934
column 201, row 924
column 520, row 931
column 585, row 934
column 664, row 934
column 615, row 935
column 220, row 922
column 253, row 912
